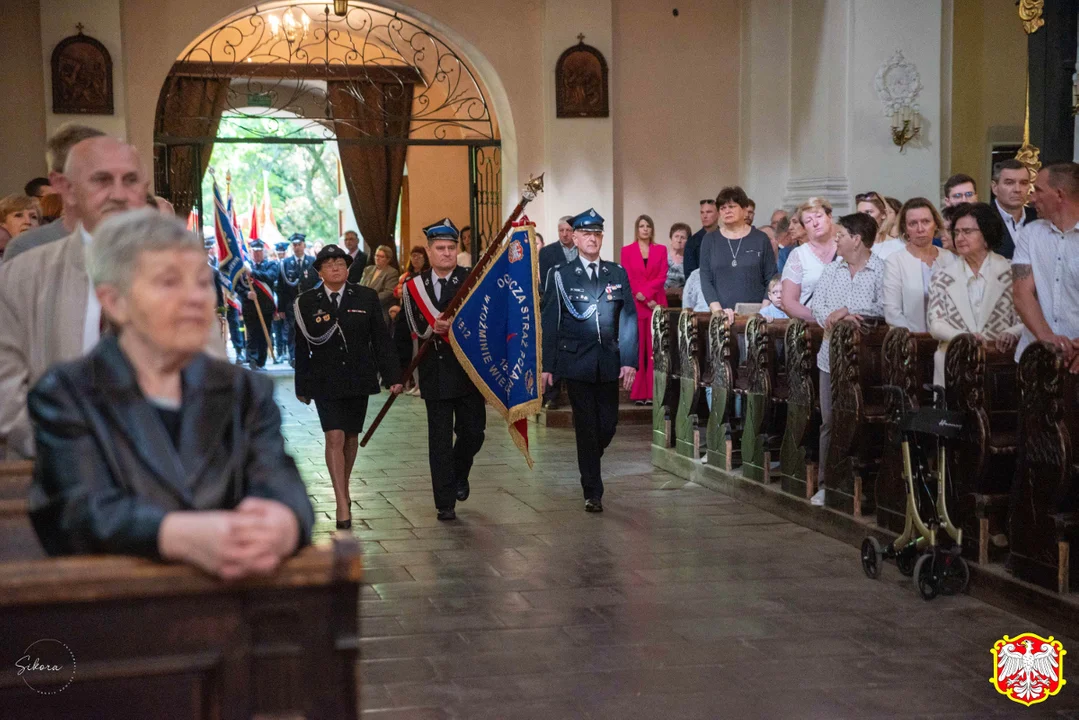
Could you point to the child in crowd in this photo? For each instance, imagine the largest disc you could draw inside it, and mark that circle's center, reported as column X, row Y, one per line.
column 773, row 304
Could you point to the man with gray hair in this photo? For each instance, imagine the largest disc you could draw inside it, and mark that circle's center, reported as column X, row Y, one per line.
column 57, row 150
column 49, row 313
column 551, row 256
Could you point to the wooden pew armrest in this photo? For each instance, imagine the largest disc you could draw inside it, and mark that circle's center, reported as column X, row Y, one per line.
column 111, row 577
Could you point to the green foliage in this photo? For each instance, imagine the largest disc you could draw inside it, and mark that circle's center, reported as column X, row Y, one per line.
column 302, row 178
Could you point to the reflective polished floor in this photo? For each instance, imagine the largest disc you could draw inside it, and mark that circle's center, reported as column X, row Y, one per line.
column 676, row 602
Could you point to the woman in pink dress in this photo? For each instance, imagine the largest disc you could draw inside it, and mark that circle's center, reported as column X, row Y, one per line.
column 646, row 265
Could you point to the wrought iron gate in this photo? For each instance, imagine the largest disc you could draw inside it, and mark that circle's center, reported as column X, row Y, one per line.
column 485, row 196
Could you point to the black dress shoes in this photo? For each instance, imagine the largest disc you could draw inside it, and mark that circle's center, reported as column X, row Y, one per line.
column 593, row 505
column 344, row 524
column 462, row 491
column 447, row 515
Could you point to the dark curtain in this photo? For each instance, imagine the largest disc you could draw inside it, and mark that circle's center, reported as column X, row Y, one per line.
column 373, row 172
column 189, row 107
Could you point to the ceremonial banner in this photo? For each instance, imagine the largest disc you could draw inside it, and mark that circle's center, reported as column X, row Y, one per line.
column 496, row 333
column 231, row 253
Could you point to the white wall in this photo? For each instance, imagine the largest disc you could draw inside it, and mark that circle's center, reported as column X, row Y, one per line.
column 881, row 27
column 101, row 21
column 578, row 153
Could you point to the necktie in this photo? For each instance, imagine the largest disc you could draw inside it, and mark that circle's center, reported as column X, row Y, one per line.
column 593, row 275
column 442, row 289
column 333, row 298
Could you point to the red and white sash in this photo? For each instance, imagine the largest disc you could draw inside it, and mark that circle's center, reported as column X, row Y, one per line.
column 424, row 301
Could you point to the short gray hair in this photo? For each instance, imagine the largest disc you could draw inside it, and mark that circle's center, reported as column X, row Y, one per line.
column 114, row 252
column 66, row 137
column 565, row 219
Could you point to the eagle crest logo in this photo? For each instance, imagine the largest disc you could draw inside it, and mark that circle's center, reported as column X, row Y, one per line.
column 1028, row 669
column 516, row 252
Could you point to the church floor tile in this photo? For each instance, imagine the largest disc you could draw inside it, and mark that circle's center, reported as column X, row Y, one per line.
column 676, row 602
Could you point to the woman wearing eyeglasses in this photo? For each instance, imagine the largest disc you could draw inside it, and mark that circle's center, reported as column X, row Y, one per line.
column 975, row 294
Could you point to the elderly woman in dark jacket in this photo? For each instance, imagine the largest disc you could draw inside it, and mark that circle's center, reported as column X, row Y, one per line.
column 149, row 447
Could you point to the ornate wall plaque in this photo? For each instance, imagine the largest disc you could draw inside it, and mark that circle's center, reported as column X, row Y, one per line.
column 581, row 83
column 898, row 83
column 81, row 76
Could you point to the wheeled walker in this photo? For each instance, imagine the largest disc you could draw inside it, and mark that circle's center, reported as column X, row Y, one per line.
column 937, row 568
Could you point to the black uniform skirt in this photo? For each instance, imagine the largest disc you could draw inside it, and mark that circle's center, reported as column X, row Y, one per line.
column 346, row 414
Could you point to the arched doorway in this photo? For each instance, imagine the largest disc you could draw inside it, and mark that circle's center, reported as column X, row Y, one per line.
column 378, row 82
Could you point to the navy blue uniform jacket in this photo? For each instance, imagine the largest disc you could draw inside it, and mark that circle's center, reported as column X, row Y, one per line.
column 597, row 347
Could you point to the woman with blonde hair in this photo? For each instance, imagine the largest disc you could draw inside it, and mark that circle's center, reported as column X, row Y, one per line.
column 18, row 213
column 806, row 263
column 872, row 204
column 646, row 267
column 382, row 278
column 907, row 272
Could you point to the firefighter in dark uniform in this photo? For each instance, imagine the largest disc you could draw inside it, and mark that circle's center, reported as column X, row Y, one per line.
column 223, row 287
column 298, row 275
column 280, row 339
column 264, row 270
column 590, row 339
column 342, row 345
column 454, row 405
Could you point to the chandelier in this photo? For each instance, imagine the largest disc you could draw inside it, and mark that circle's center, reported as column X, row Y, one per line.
column 286, row 23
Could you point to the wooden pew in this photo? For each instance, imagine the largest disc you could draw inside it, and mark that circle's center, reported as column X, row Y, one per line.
column 858, row 416
column 665, row 367
column 798, row 474
column 907, row 363
column 692, row 403
column 17, row 538
column 764, row 346
column 982, row 382
column 1043, row 513
column 724, row 431
column 148, row 640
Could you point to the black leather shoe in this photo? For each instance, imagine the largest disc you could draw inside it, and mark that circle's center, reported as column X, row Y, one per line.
column 447, row 515
column 344, row 524
column 462, row 491
column 591, row 505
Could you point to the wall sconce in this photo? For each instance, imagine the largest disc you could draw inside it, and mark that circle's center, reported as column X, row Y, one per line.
column 340, row 8
column 906, row 124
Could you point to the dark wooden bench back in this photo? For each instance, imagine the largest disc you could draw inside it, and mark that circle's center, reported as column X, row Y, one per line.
column 1043, row 508
column 155, row 640
column 801, row 343
column 858, row 415
column 17, row 538
column 665, row 368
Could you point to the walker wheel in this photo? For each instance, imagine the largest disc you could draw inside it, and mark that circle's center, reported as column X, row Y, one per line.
column 925, row 574
column 872, row 558
column 906, row 558
column 954, row 574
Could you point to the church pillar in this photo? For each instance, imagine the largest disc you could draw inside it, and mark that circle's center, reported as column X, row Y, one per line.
column 100, row 20
column 1051, row 52
column 579, row 153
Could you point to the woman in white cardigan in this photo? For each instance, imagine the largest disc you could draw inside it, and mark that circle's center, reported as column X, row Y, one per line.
column 907, row 271
column 973, row 294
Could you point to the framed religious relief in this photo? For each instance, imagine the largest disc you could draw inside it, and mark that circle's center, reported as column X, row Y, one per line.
column 581, row 83
column 81, row 77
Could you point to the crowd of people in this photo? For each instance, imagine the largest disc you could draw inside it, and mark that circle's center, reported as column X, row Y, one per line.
column 113, row 370
column 991, row 269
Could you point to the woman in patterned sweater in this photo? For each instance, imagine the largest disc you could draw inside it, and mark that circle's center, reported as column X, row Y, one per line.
column 973, row 293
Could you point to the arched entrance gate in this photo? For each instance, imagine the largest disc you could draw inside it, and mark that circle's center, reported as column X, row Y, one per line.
column 373, row 80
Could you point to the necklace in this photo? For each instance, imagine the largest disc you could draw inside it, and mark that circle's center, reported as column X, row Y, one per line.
column 734, row 251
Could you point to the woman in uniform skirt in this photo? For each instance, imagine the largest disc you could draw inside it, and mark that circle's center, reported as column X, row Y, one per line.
column 342, row 345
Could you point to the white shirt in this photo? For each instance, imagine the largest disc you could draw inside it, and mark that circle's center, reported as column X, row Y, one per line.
column 587, row 271
column 339, row 292
column 435, row 277
column 1010, row 222
column 91, row 328
column 464, row 259
column 1053, row 257
column 861, row 294
column 975, row 291
column 889, row 246
column 803, row 268
column 692, row 297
